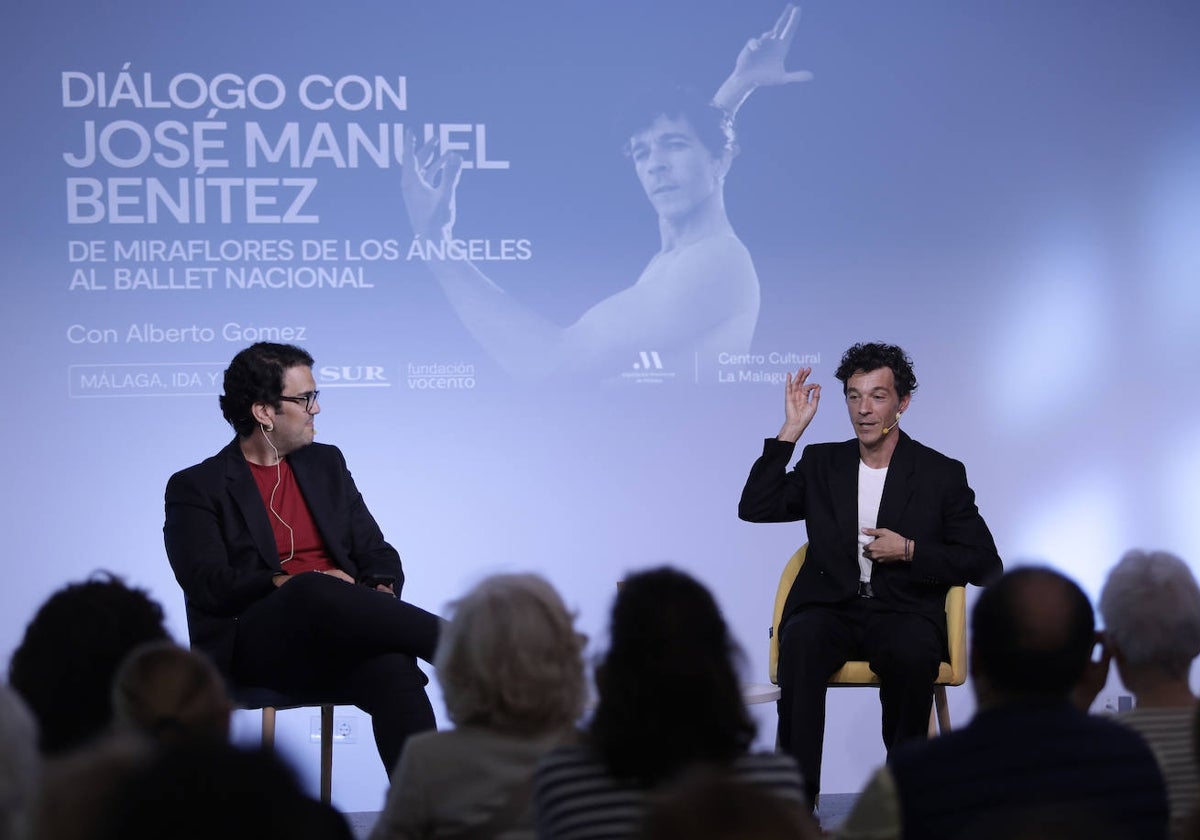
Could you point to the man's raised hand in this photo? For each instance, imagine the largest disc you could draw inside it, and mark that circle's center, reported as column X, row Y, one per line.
column 800, row 401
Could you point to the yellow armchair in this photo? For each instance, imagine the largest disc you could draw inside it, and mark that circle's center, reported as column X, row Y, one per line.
column 858, row 672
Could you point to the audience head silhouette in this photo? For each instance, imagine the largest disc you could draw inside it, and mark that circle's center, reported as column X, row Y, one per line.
column 168, row 692
column 669, row 693
column 1150, row 604
column 1032, row 635
column 64, row 666
column 510, row 658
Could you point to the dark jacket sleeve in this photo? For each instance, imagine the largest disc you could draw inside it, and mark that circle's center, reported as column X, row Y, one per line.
column 964, row 551
column 211, row 552
column 771, row 493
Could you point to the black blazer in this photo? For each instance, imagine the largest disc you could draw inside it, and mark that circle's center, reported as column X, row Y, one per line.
column 925, row 498
column 220, row 544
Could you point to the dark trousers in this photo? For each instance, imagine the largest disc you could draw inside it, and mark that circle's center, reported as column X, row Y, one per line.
column 318, row 634
column 904, row 649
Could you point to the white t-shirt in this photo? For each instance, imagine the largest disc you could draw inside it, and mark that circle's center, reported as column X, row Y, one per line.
column 870, row 491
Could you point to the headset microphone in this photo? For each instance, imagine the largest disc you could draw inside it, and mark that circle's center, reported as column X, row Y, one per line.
column 887, row 429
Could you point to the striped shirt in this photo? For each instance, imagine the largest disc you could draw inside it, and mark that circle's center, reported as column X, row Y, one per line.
column 576, row 799
column 1169, row 734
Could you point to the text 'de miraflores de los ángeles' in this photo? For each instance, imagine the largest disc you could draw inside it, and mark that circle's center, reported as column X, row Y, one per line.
column 153, row 152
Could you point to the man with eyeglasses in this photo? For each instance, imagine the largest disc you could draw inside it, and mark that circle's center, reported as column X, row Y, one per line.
column 288, row 581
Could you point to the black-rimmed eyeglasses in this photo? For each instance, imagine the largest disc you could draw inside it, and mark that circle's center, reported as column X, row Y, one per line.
column 308, row 400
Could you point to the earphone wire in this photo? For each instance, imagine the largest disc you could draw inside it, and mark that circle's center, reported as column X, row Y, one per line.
column 271, row 501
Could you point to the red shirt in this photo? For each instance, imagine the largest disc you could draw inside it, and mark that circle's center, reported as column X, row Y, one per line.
column 296, row 537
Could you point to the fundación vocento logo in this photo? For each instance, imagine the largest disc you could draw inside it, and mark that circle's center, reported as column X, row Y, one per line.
column 440, row 376
column 648, row 368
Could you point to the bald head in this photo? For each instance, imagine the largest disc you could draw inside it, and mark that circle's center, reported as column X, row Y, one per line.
column 1032, row 634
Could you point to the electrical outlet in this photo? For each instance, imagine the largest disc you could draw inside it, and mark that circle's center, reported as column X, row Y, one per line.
column 1112, row 703
column 345, row 729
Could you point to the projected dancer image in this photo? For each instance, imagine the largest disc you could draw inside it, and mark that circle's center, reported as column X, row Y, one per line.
column 698, row 295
